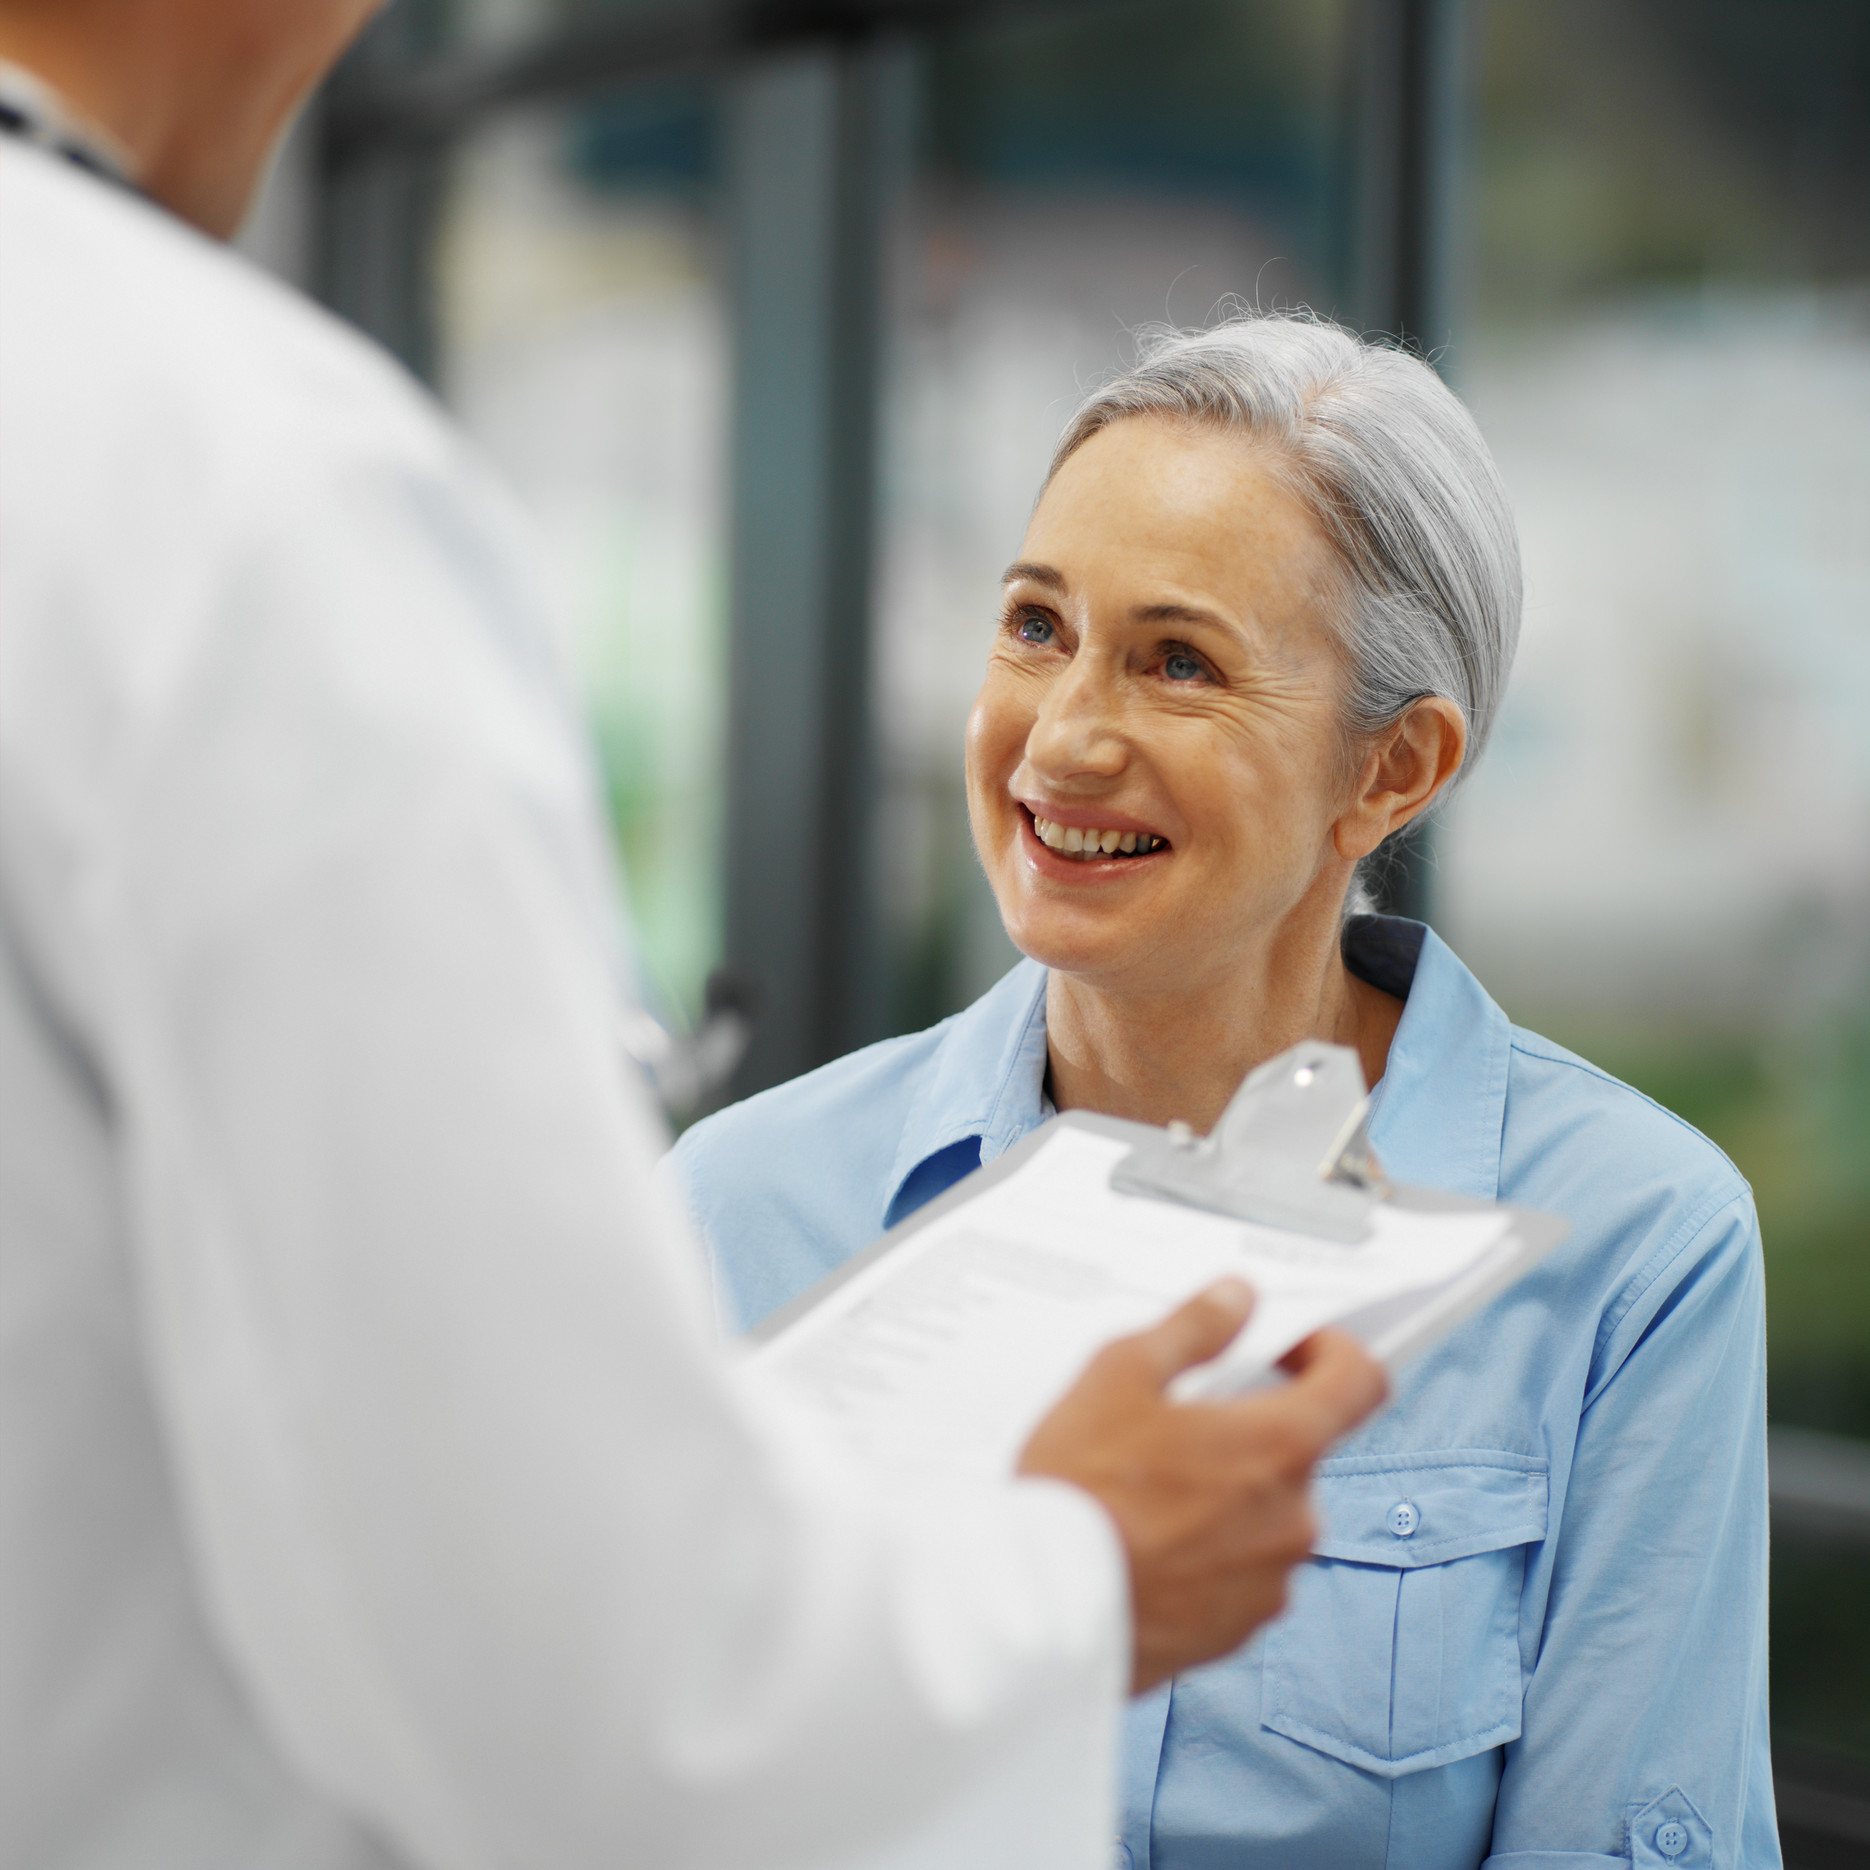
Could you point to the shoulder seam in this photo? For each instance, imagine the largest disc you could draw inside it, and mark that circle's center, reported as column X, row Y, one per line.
column 1690, row 1230
column 1531, row 1045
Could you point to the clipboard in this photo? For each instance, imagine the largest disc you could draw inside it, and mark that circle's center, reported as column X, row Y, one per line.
column 943, row 1344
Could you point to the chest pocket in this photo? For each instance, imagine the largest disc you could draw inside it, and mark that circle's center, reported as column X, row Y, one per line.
column 1400, row 1649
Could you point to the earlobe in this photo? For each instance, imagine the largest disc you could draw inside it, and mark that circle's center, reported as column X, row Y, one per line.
column 1352, row 836
column 1364, row 823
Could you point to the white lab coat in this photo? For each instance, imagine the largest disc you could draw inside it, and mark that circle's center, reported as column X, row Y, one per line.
column 371, row 1489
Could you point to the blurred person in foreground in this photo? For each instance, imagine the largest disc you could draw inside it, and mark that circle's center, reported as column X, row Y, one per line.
column 371, row 1490
column 1263, row 616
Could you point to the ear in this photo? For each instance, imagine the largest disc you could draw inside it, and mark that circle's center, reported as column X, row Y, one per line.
column 1402, row 774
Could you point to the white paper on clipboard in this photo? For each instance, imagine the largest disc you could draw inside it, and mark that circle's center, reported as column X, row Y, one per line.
column 940, row 1348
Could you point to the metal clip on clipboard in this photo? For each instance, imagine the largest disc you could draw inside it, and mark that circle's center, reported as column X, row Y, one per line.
column 1291, row 1150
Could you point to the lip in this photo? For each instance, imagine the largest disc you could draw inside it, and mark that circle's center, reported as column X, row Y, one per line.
column 1085, row 817
column 1083, row 870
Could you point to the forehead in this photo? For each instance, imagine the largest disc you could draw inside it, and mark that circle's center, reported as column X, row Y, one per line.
column 1151, row 501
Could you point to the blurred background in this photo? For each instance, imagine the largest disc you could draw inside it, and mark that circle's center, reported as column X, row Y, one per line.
column 772, row 314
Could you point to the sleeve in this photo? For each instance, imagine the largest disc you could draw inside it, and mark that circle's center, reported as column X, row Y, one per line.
column 508, row 1562
column 1645, row 1738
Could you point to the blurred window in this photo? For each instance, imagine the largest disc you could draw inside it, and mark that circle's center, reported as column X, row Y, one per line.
column 581, row 339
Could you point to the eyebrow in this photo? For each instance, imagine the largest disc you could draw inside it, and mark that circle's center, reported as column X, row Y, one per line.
column 1025, row 571
column 1181, row 613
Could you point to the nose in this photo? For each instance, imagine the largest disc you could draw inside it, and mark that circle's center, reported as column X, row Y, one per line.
column 1078, row 731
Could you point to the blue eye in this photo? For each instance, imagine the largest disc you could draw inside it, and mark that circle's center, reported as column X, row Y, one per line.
column 1033, row 628
column 1179, row 666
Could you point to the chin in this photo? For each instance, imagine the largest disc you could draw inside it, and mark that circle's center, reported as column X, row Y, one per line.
column 1054, row 943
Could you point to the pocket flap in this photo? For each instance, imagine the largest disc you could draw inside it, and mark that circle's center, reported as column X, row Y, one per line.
column 1425, row 1509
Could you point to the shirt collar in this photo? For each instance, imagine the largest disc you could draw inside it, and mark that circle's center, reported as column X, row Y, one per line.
column 986, row 1079
column 1434, row 1119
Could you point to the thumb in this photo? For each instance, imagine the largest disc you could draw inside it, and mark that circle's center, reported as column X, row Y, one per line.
column 1335, row 1383
column 1201, row 1328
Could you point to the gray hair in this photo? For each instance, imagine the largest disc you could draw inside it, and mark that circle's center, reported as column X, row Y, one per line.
column 1396, row 473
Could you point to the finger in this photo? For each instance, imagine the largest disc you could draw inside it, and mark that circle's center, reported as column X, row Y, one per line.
column 1335, row 1384
column 1195, row 1331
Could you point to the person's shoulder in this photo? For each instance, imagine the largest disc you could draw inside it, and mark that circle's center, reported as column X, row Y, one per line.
column 180, row 345
column 255, row 470
column 1544, row 1070
column 838, row 1121
column 862, row 1105
column 1581, row 1142
column 785, row 1186
column 1661, row 1221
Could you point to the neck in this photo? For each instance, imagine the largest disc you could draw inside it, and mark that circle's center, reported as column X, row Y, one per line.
column 72, row 54
column 189, row 114
column 1162, row 1053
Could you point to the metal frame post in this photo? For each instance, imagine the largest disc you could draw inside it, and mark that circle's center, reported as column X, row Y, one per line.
column 379, row 202
column 809, row 166
column 1408, row 139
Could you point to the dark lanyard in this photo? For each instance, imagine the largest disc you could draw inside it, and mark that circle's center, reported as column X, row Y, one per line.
column 15, row 120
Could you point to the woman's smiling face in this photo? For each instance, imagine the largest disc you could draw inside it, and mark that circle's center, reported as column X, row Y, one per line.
column 1164, row 674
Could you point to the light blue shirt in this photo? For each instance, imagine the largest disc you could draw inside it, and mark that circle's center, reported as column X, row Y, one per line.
column 1533, row 1633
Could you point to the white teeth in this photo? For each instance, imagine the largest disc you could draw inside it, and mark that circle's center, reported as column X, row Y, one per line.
column 1075, row 841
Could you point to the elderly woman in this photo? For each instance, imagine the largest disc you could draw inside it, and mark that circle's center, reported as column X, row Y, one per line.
column 1262, row 619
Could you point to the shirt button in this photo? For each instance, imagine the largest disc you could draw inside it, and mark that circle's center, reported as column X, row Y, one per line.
column 1672, row 1839
column 1403, row 1519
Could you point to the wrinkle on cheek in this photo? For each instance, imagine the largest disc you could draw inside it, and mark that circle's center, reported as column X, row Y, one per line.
column 1014, row 682
column 1273, row 746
